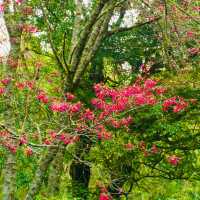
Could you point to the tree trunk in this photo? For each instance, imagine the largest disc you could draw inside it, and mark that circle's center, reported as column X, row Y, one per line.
column 9, row 173
column 80, row 174
column 56, row 172
column 10, row 168
column 91, row 46
column 81, row 55
column 80, row 170
column 96, row 73
column 40, row 173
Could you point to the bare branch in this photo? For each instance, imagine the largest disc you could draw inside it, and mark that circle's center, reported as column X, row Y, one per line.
column 125, row 29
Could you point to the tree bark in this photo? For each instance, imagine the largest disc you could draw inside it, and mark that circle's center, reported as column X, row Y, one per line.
column 56, row 172
column 80, row 170
column 10, row 168
column 96, row 72
column 9, row 173
column 40, row 173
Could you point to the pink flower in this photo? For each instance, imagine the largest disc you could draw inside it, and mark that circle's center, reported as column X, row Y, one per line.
column 69, row 96
column 5, row 81
column 154, row 149
column 59, row 107
column 196, row 8
column 75, row 107
column 160, row 90
column 53, row 134
column 2, row 90
column 161, row 7
column 169, row 102
column 104, row 197
column 88, row 115
column 12, row 148
column 190, row 34
column 126, row 121
column 193, row 51
column 28, row 151
column 98, row 87
column 62, row 137
column 174, row 160
column 23, row 140
column 42, row 97
column 129, row 146
column 151, row 100
column 131, row 91
column 47, row 141
column 29, row 28
column 107, row 135
column 30, row 84
column 149, row 84
column 115, row 123
column 20, row 86
column 178, row 104
column 99, row 135
column 67, row 141
column 18, row 1
column 140, row 99
column 103, row 115
column 1, row 8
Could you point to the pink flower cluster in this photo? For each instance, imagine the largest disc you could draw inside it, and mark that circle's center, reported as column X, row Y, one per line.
column 1, row 8
column 2, row 90
column 6, row 81
column 177, row 103
column 68, row 139
column 143, row 147
column 69, row 96
column 193, row 51
column 27, row 84
column 174, row 160
column 125, row 121
column 118, row 100
column 64, row 137
column 42, row 97
column 18, row 1
column 102, row 133
column 59, row 107
column 196, row 8
column 129, row 146
column 65, row 106
column 104, row 196
column 28, row 28
column 88, row 115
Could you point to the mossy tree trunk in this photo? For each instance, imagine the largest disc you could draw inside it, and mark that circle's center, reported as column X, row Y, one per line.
column 9, row 174
column 81, row 54
column 10, row 168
